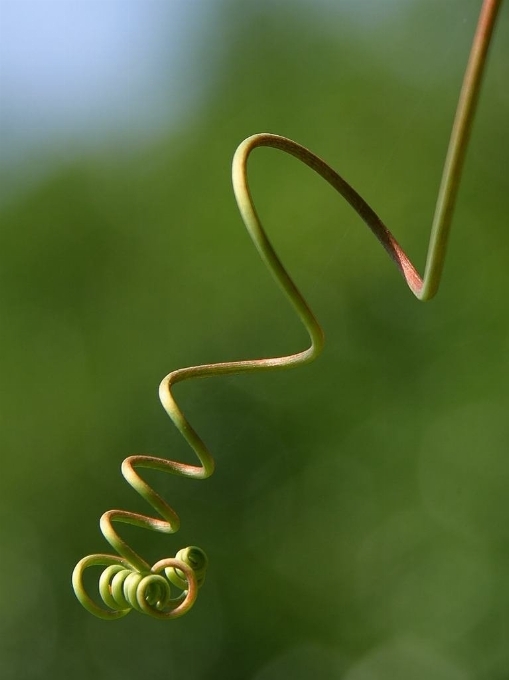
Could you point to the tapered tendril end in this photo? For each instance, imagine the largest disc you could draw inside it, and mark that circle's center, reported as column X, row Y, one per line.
column 122, row 588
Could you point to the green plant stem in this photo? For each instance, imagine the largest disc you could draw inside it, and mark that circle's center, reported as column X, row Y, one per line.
column 456, row 152
column 128, row 581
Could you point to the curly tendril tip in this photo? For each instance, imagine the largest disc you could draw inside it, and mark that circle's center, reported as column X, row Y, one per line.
column 127, row 581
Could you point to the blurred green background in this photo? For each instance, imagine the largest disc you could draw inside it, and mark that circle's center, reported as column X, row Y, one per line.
column 357, row 524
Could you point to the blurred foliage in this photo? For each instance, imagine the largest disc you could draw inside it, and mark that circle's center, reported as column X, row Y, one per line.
column 357, row 522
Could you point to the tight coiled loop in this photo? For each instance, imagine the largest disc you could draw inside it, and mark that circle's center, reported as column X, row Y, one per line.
column 123, row 588
column 128, row 581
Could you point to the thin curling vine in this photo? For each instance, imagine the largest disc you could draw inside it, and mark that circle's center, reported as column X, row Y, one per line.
column 128, row 581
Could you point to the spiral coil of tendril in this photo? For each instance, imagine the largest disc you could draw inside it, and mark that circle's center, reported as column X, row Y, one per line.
column 128, row 581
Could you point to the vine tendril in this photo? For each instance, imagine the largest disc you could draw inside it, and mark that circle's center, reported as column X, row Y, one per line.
column 128, row 581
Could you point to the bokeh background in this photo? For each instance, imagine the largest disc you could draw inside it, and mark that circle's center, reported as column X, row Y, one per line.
column 357, row 524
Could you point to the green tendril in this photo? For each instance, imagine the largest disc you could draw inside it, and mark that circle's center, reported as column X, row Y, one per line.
column 128, row 581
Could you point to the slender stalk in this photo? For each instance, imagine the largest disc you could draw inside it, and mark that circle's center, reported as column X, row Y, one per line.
column 129, row 582
column 456, row 152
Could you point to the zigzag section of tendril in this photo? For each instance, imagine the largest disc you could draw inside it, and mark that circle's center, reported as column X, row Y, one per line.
column 128, row 580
